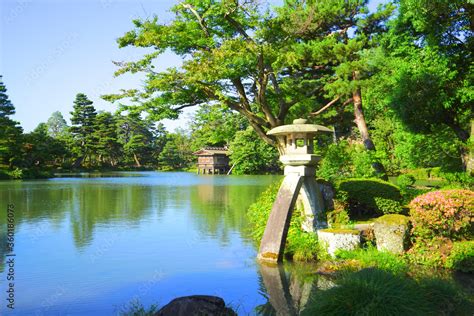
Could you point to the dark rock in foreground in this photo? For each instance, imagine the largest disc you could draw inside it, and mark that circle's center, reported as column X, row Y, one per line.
column 196, row 305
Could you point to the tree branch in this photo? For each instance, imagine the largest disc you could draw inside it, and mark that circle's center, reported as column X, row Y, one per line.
column 324, row 108
column 241, row 90
column 201, row 21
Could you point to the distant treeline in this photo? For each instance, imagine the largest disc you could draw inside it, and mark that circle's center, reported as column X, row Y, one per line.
column 103, row 140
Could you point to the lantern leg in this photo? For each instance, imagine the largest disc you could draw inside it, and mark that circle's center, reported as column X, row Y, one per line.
column 278, row 289
column 313, row 205
column 276, row 231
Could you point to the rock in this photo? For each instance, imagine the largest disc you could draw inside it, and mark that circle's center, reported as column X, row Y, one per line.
column 366, row 233
column 328, row 193
column 339, row 239
column 391, row 233
column 196, row 305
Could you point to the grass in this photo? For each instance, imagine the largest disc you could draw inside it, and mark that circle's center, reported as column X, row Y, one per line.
column 370, row 257
column 377, row 292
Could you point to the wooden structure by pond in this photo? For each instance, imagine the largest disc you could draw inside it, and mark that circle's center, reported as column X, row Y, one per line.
column 212, row 160
column 300, row 181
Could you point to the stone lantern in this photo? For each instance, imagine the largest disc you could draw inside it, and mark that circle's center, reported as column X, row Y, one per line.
column 299, row 184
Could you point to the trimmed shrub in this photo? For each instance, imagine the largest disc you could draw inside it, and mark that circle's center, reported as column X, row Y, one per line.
column 442, row 213
column 405, row 180
column 461, row 257
column 364, row 193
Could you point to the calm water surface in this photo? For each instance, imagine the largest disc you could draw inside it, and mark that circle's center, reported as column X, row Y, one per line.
column 93, row 245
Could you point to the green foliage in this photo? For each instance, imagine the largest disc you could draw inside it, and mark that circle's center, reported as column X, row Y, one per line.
column 16, row 174
column 460, row 179
column 83, row 126
column 176, row 154
column 431, row 253
column 369, row 196
column 56, row 125
column 426, row 79
column 251, row 155
column 370, row 257
column 339, row 216
column 10, row 132
column 461, row 256
column 41, row 150
column 343, row 160
column 445, row 298
column 260, row 210
column 405, row 180
column 215, row 126
column 377, row 292
column 108, row 148
column 445, row 213
column 300, row 245
column 388, row 206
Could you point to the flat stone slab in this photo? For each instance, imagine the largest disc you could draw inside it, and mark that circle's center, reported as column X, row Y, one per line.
column 339, row 239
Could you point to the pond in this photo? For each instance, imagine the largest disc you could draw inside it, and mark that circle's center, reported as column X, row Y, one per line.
column 93, row 244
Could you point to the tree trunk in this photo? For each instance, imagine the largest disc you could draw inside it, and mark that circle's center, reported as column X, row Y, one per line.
column 468, row 158
column 78, row 162
column 467, row 151
column 137, row 162
column 359, row 119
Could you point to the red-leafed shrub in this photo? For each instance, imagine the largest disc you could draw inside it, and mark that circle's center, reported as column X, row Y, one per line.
column 445, row 213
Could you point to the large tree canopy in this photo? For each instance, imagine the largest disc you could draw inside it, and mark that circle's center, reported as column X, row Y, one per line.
column 266, row 66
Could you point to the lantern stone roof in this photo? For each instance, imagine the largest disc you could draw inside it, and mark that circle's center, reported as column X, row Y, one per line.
column 211, row 151
column 298, row 126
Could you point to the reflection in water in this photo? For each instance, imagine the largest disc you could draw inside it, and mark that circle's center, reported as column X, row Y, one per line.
column 229, row 204
column 3, row 247
column 288, row 288
column 100, row 239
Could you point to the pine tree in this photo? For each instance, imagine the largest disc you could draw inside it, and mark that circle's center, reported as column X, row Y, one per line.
column 56, row 125
column 83, row 127
column 10, row 132
column 108, row 147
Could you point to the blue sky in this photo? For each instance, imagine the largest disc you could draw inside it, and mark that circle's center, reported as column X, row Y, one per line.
column 50, row 50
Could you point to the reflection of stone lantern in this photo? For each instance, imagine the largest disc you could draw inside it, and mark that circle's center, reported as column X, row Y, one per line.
column 300, row 173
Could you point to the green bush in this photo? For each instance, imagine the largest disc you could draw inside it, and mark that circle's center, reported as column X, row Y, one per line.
column 16, row 174
column 460, row 179
column 388, row 206
column 377, row 292
column 300, row 245
column 405, row 180
column 362, row 194
column 339, row 215
column 430, row 253
column 444, row 213
column 461, row 257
